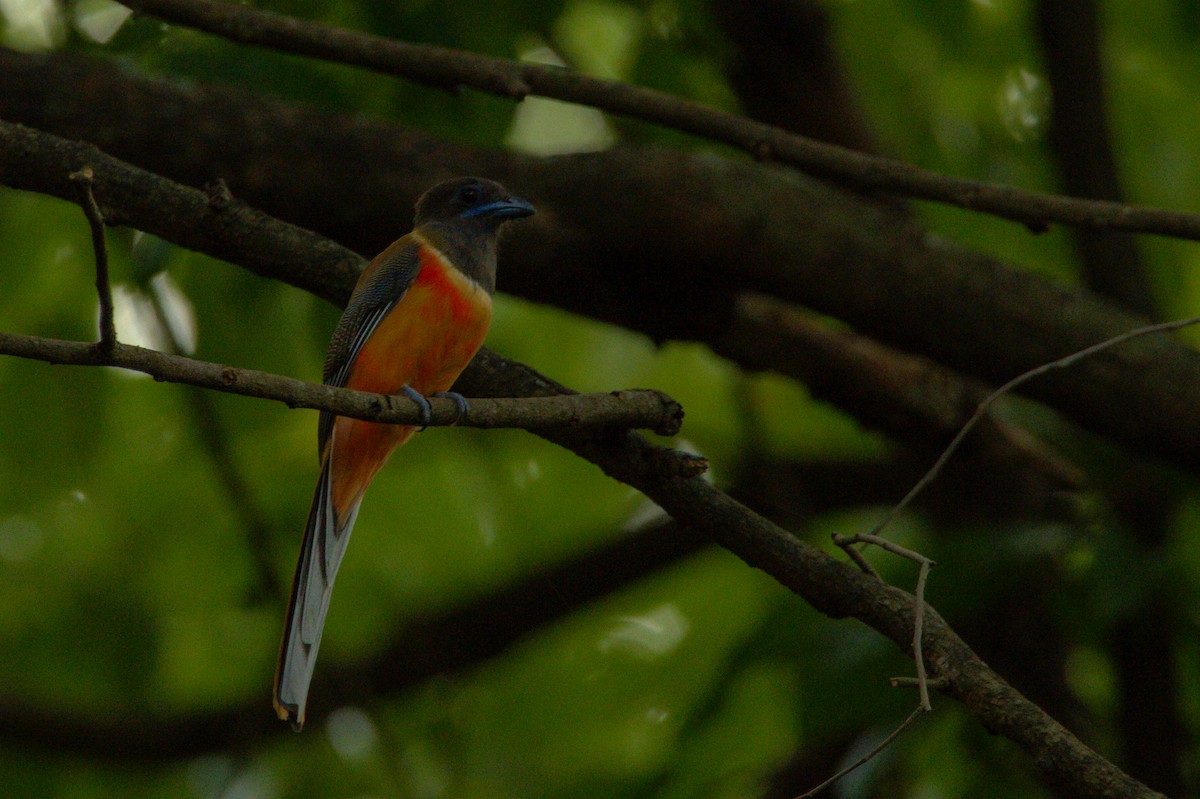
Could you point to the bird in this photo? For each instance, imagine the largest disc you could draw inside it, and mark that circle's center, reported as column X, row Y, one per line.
column 418, row 314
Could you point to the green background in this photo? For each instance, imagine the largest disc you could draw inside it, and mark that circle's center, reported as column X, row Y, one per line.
column 128, row 582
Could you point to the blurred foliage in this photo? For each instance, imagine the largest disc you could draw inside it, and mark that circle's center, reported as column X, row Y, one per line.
column 127, row 579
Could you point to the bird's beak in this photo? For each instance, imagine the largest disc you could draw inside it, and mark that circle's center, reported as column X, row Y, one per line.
column 508, row 208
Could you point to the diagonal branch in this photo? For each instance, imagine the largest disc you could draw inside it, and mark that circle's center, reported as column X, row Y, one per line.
column 450, row 68
column 833, row 588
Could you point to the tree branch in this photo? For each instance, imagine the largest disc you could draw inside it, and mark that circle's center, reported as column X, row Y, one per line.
column 1081, row 138
column 909, row 398
column 666, row 477
column 650, row 261
column 619, row 409
column 220, row 227
column 450, row 68
column 787, row 73
column 83, row 185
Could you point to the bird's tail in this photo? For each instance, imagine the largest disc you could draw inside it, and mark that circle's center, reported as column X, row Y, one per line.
column 325, row 539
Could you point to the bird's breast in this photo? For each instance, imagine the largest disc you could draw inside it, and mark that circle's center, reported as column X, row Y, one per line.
column 430, row 335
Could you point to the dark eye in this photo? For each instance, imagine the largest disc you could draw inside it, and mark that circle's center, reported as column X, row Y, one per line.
column 469, row 195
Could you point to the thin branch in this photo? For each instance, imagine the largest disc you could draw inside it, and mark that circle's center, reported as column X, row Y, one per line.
column 214, row 440
column 884, row 744
column 636, row 408
column 1019, row 380
column 444, row 67
column 83, row 180
column 856, row 555
column 918, row 653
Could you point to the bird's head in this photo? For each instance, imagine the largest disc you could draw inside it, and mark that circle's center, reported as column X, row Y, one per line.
column 462, row 218
column 472, row 202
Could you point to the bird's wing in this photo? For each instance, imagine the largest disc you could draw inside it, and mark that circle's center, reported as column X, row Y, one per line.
column 383, row 284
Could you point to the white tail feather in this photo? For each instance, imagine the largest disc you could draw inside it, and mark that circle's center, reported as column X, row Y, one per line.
column 320, row 555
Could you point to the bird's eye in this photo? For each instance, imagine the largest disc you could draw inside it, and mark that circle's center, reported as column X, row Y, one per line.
column 469, row 194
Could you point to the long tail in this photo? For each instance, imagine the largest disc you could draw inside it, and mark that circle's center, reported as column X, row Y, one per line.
column 324, row 545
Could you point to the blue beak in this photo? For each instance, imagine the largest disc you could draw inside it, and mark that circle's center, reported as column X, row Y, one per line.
column 508, row 208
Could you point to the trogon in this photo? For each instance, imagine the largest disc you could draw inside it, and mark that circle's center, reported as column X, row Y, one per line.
column 418, row 314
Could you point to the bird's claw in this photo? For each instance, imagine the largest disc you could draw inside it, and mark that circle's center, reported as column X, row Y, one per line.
column 422, row 403
column 459, row 401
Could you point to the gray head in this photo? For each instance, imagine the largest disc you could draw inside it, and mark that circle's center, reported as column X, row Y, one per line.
column 472, row 203
column 462, row 217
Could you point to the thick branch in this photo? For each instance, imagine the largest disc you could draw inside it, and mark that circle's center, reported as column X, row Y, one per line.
column 616, row 410
column 625, row 236
column 910, row 398
column 787, row 73
column 440, row 66
column 34, row 161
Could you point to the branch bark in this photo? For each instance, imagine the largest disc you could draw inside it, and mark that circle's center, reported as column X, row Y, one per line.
column 515, row 80
column 615, row 410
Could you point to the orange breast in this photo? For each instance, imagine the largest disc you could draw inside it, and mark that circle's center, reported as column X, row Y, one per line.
column 425, row 342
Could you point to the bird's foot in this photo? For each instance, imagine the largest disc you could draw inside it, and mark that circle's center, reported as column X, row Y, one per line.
column 422, row 403
column 460, row 402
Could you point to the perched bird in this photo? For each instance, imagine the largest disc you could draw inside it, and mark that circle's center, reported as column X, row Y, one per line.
column 417, row 316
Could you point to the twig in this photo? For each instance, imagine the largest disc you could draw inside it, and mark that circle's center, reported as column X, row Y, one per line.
column 922, row 681
column 918, row 596
column 847, row 544
column 83, row 180
column 637, row 408
column 884, row 744
column 444, row 67
column 1017, row 381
